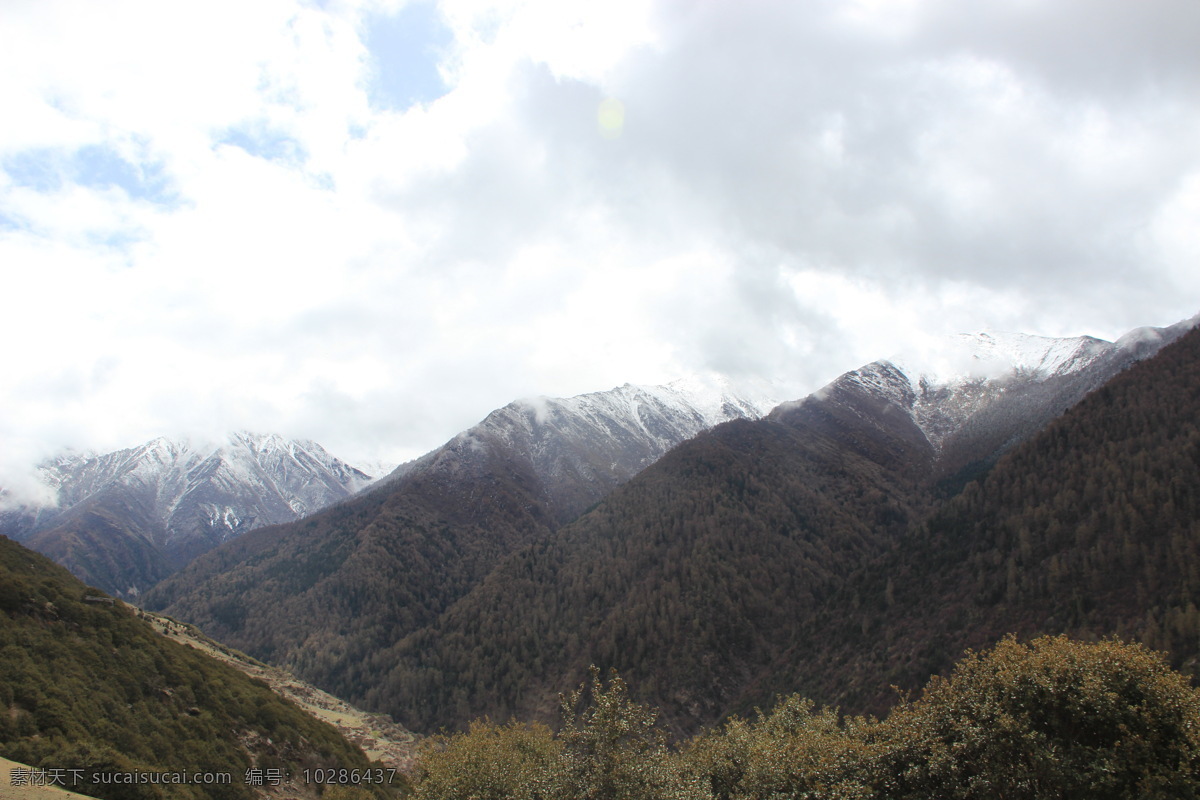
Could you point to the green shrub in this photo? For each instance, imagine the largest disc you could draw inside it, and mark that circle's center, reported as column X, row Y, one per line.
column 497, row 762
column 794, row 751
column 612, row 749
column 1053, row 718
column 1047, row 720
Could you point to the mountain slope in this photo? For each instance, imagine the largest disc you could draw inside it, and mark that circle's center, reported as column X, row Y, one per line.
column 322, row 595
column 453, row 590
column 90, row 686
column 1090, row 528
column 579, row 448
column 977, row 395
column 685, row 579
column 127, row 519
column 700, row 577
column 380, row 738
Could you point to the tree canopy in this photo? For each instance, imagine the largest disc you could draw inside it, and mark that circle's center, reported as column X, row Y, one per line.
column 1051, row 718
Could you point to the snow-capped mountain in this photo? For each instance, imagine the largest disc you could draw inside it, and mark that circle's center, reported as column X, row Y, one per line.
column 974, row 395
column 942, row 389
column 398, row 564
column 580, row 447
column 173, row 500
column 399, row 554
column 248, row 480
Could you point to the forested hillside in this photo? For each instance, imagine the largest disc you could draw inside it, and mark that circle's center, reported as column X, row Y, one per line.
column 689, row 579
column 87, row 685
column 829, row 547
column 324, row 595
column 1090, row 528
column 321, row 595
column 1050, row 719
column 806, row 553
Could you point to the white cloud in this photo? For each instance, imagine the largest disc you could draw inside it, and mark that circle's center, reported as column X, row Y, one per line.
column 796, row 189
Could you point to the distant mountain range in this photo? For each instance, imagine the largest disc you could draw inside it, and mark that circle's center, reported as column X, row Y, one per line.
column 714, row 546
column 124, row 520
column 357, row 577
column 484, row 577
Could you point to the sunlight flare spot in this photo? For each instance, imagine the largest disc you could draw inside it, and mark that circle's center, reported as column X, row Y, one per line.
column 610, row 117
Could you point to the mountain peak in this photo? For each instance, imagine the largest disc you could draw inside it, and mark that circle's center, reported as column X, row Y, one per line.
column 174, row 498
column 963, row 380
column 967, row 357
column 578, row 448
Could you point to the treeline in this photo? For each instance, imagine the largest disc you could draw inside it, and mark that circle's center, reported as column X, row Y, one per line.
column 1052, row 718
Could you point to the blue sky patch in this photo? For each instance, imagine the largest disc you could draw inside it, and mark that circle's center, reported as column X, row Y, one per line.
column 40, row 170
column 8, row 223
column 262, row 141
column 93, row 166
column 405, row 48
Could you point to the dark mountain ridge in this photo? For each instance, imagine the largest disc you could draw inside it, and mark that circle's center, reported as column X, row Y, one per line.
column 682, row 578
column 1091, row 528
column 698, row 578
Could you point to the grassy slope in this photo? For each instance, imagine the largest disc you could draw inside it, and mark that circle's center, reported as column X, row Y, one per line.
column 380, row 738
column 87, row 684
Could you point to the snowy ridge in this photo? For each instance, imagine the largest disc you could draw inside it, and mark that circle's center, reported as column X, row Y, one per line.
column 660, row 413
column 126, row 519
column 947, row 383
column 581, row 447
column 200, row 493
column 988, row 356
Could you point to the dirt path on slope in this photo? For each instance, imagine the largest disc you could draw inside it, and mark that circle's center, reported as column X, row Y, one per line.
column 380, row 738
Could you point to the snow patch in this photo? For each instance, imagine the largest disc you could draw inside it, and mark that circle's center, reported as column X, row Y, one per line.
column 244, row 481
column 990, row 356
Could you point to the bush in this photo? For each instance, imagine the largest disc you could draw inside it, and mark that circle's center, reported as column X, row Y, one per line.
column 612, row 749
column 1049, row 719
column 509, row 762
column 1054, row 718
column 608, row 749
column 794, row 751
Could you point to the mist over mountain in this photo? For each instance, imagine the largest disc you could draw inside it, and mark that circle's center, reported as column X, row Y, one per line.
column 124, row 520
column 977, row 395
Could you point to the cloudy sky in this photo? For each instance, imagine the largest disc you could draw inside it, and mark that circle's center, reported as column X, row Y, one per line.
column 371, row 222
